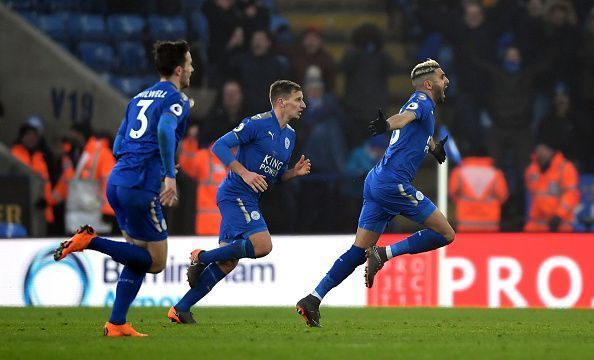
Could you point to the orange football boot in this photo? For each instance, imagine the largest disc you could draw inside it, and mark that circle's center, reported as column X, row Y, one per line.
column 120, row 330
column 78, row 242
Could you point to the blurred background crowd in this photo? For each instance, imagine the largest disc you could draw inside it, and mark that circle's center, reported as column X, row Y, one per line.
column 519, row 106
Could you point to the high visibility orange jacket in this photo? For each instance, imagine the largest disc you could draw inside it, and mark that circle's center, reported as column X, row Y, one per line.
column 209, row 172
column 553, row 193
column 478, row 189
column 37, row 163
column 98, row 162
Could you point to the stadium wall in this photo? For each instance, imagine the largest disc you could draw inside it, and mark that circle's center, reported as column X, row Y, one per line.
column 39, row 77
column 484, row 270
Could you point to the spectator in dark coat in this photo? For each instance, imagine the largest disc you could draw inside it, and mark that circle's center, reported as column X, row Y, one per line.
column 312, row 52
column 367, row 68
column 256, row 70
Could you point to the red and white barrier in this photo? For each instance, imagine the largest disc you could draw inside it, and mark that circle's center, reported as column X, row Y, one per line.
column 485, row 270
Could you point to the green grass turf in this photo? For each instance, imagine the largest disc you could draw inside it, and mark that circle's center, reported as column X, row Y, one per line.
column 279, row 333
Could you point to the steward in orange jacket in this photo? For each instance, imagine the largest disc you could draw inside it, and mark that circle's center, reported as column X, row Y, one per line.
column 478, row 189
column 26, row 150
column 552, row 182
column 93, row 165
column 209, row 172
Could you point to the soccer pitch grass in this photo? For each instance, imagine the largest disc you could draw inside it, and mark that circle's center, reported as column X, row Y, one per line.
column 280, row 333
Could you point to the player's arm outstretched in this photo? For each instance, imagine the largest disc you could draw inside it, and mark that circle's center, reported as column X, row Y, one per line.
column 166, row 136
column 380, row 125
column 302, row 168
column 222, row 149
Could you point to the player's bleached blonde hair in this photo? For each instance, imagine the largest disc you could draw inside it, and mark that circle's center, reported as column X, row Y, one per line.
column 426, row 67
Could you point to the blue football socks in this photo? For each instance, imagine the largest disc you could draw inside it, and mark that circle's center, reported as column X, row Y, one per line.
column 342, row 268
column 421, row 241
column 238, row 249
column 124, row 253
column 128, row 285
column 211, row 275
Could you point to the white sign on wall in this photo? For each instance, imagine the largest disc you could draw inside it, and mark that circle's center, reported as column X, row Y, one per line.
column 30, row 276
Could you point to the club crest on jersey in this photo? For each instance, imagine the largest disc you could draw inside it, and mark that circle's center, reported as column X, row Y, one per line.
column 419, row 195
column 255, row 215
column 287, row 143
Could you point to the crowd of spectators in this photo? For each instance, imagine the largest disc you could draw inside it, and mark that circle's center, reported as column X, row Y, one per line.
column 519, row 70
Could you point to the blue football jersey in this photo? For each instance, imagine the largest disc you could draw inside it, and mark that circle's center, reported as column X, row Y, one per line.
column 138, row 157
column 265, row 148
column 408, row 145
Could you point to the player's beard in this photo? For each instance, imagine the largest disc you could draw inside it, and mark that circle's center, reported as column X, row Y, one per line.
column 439, row 95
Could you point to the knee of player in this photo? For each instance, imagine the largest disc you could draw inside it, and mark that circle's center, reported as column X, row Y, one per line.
column 227, row 266
column 157, row 266
column 262, row 249
column 450, row 235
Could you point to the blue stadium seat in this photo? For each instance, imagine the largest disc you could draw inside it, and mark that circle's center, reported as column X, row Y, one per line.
column 53, row 25
column 87, row 27
column 585, row 211
column 128, row 86
column 281, row 27
column 98, row 56
column 125, row 27
column 30, row 16
column 429, row 47
column 132, row 57
column 167, row 27
column 199, row 24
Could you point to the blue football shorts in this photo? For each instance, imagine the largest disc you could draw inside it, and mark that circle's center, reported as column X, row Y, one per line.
column 138, row 212
column 381, row 204
column 240, row 219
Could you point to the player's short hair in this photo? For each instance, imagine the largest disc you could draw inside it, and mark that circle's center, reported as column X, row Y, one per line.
column 168, row 55
column 282, row 88
column 426, row 67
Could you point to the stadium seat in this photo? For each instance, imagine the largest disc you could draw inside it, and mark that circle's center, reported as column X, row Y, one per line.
column 585, row 210
column 430, row 46
column 53, row 25
column 132, row 57
column 98, row 56
column 199, row 24
column 167, row 27
column 128, row 86
column 281, row 27
column 29, row 16
column 87, row 27
column 125, row 27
